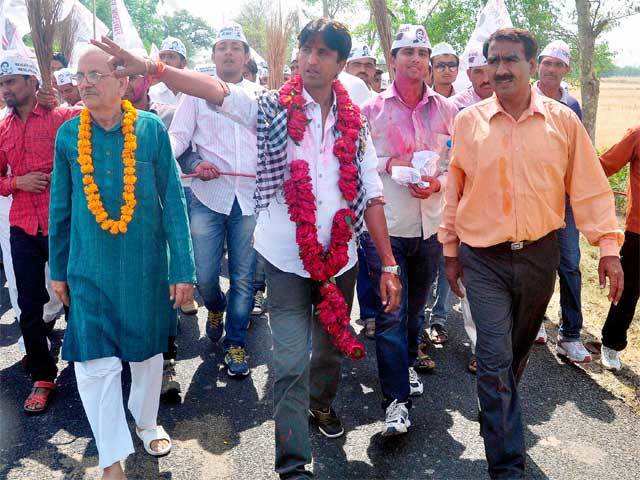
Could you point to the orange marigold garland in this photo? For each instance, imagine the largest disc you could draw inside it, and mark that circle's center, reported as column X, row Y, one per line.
column 91, row 190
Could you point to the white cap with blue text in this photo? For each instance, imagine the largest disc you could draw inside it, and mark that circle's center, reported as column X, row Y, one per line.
column 231, row 31
column 475, row 58
column 173, row 44
column 414, row 36
column 443, row 48
column 63, row 76
column 358, row 53
column 557, row 49
column 12, row 63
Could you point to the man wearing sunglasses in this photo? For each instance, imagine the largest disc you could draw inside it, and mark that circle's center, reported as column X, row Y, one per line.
column 27, row 137
column 444, row 68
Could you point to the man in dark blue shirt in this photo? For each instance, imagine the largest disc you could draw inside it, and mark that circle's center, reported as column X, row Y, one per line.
column 554, row 64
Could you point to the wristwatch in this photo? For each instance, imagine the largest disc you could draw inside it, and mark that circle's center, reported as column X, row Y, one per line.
column 394, row 269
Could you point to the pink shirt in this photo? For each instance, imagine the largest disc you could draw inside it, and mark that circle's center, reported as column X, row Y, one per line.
column 399, row 130
column 466, row 98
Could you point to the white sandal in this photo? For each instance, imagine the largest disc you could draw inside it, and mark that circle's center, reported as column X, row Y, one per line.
column 152, row 434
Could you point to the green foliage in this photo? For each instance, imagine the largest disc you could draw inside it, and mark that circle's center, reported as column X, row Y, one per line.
column 619, row 183
column 627, row 71
column 153, row 28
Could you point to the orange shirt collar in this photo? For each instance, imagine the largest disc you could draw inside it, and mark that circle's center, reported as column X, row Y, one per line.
column 535, row 106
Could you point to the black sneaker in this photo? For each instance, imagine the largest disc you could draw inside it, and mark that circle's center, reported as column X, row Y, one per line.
column 328, row 422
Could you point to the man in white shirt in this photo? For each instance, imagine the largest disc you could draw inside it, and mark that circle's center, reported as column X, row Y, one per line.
column 410, row 125
column 174, row 53
column 222, row 206
column 303, row 384
column 362, row 64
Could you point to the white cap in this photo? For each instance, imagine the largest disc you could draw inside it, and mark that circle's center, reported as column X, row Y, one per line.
column 173, row 44
column 12, row 63
column 557, row 49
column 358, row 53
column 208, row 69
column 231, row 31
column 475, row 59
column 411, row 36
column 63, row 76
column 443, row 49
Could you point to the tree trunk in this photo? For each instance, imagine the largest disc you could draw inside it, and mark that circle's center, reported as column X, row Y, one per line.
column 589, row 83
column 325, row 8
column 383, row 23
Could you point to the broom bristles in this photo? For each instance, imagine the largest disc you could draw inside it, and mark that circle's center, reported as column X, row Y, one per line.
column 278, row 32
column 43, row 18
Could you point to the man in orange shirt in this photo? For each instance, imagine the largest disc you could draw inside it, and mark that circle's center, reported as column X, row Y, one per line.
column 614, row 332
column 514, row 158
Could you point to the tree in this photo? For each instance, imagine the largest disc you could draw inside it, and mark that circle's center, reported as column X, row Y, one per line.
column 595, row 18
column 331, row 8
column 253, row 18
column 195, row 32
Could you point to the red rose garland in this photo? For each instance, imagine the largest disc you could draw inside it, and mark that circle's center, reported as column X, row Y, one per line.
column 333, row 312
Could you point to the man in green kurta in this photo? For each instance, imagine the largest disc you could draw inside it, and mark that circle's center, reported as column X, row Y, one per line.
column 122, row 283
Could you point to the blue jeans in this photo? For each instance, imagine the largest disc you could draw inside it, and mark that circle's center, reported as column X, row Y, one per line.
column 443, row 291
column 209, row 230
column 397, row 333
column 570, row 278
column 259, row 277
column 366, row 294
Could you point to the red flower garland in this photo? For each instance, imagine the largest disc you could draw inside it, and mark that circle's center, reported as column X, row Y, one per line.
column 322, row 266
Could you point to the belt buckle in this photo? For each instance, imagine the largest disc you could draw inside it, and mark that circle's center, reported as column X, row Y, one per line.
column 517, row 246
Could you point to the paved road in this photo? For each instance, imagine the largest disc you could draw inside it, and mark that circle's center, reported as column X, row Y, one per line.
column 223, row 427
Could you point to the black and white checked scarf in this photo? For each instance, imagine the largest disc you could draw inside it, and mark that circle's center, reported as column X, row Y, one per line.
column 272, row 156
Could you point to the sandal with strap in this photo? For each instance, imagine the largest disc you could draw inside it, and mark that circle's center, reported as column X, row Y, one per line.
column 37, row 403
column 149, row 435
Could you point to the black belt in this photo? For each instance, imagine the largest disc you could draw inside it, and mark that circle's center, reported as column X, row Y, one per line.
column 514, row 247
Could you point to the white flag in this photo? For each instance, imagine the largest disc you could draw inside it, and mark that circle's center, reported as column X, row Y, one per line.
column 124, row 32
column 493, row 17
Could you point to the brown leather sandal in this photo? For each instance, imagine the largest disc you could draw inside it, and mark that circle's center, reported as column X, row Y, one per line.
column 37, row 403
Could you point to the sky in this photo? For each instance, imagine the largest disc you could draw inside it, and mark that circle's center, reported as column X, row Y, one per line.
column 624, row 40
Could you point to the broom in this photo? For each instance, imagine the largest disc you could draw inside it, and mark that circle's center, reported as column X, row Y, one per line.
column 43, row 19
column 383, row 23
column 278, row 32
column 67, row 31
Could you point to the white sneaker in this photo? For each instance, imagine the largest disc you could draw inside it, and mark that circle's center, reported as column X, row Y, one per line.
column 415, row 385
column 573, row 350
column 610, row 359
column 541, row 339
column 397, row 419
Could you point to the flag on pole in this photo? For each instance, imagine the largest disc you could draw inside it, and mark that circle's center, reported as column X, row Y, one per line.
column 493, row 17
column 124, row 32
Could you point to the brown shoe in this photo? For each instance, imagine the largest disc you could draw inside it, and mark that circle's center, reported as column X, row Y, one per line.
column 190, row 308
column 328, row 422
column 473, row 365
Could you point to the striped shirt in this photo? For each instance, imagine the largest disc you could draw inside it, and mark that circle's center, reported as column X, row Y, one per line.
column 228, row 145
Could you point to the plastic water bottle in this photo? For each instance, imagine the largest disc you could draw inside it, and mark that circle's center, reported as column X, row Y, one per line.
column 443, row 161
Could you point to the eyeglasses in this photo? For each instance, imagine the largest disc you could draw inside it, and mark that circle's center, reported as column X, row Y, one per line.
column 441, row 66
column 92, row 78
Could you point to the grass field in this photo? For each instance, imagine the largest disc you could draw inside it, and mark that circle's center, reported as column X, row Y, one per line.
column 619, row 109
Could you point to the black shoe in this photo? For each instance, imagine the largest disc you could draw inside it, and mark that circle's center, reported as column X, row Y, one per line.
column 328, row 422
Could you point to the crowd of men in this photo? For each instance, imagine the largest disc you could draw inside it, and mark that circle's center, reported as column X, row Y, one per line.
column 125, row 187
